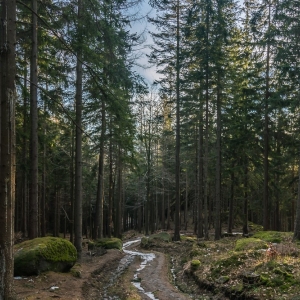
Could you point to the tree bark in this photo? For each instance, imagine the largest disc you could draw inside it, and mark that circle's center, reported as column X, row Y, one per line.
column 110, row 190
column 177, row 155
column 78, row 143
column 33, row 197
column 100, row 188
column 206, row 153
column 7, row 145
column 231, row 199
column 266, row 212
column 297, row 220
column 218, row 165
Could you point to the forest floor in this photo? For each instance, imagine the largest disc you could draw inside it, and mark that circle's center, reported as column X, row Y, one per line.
column 170, row 275
column 98, row 275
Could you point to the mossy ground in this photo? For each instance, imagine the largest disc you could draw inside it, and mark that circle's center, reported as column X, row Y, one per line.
column 238, row 267
column 155, row 239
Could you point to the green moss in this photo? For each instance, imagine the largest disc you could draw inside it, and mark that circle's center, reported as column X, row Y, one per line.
column 250, row 244
column 109, row 243
column 238, row 288
column 163, row 236
column 40, row 254
column 147, row 242
column 224, row 266
column 255, row 227
column 188, row 238
column 144, row 242
column 76, row 271
column 50, row 248
column 272, row 236
column 195, row 251
column 277, row 275
column 195, row 263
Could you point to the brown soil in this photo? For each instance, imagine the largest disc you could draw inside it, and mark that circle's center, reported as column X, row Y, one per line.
column 69, row 287
column 95, row 280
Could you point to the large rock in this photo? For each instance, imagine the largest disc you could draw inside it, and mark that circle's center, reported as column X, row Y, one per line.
column 35, row 256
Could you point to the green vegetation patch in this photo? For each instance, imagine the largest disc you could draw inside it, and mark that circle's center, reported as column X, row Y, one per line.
column 163, row 236
column 224, row 266
column 188, row 238
column 153, row 239
column 195, row 263
column 277, row 275
column 250, row 244
column 42, row 254
column 196, row 251
column 272, row 236
column 109, row 243
column 255, row 227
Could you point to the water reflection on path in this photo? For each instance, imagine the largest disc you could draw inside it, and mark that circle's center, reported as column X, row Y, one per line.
column 146, row 258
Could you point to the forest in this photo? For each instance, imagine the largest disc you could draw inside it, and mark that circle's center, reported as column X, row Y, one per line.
column 89, row 148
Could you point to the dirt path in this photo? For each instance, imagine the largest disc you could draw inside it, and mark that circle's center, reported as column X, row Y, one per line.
column 104, row 278
column 154, row 278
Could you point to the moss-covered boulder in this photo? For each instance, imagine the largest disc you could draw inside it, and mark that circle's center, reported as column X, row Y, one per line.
column 107, row 243
column 39, row 255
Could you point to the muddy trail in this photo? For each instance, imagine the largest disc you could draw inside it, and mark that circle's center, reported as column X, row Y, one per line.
column 147, row 272
column 139, row 274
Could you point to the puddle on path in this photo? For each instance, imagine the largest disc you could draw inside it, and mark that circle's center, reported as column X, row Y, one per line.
column 173, row 272
column 146, row 258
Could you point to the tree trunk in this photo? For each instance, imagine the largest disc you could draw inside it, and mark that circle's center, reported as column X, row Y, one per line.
column 78, row 145
column 245, row 214
column 218, row 164
column 100, row 188
column 205, row 160
column 43, row 188
column 118, row 231
column 33, row 197
column 186, row 201
column 110, row 190
column 71, row 225
column 7, row 145
column 297, row 220
column 266, row 212
column 177, row 155
column 200, row 176
column 230, row 213
column 24, row 210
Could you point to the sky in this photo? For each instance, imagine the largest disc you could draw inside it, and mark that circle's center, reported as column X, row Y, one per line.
column 141, row 25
